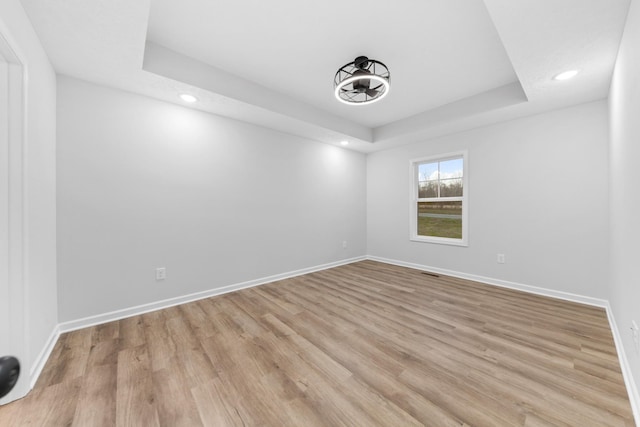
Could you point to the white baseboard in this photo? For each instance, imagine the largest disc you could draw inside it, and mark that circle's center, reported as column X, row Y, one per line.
column 497, row 282
column 632, row 390
column 73, row 325
column 158, row 305
column 42, row 358
column 145, row 308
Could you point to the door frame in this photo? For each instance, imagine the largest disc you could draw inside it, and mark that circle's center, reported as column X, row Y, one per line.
column 13, row 219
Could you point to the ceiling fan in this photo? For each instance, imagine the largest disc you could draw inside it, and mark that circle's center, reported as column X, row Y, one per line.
column 362, row 81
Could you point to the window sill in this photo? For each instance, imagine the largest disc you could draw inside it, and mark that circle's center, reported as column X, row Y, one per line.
column 439, row 240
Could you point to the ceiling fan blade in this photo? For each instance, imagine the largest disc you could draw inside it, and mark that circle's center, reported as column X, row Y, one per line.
column 372, row 93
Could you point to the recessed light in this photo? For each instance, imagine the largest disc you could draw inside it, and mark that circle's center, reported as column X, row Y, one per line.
column 188, row 98
column 566, row 75
column 344, row 142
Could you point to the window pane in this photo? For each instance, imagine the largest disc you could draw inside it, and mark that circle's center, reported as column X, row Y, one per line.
column 428, row 180
column 440, row 219
column 451, row 187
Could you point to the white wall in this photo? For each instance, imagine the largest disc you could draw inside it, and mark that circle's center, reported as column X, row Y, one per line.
column 538, row 194
column 624, row 99
column 39, row 164
column 144, row 184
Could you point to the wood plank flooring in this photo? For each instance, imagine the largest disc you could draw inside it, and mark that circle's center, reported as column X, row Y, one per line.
column 367, row 344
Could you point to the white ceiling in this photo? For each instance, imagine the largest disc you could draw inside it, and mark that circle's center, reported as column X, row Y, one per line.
column 454, row 64
column 438, row 51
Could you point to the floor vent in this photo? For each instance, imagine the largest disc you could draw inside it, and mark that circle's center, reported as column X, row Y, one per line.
column 428, row 273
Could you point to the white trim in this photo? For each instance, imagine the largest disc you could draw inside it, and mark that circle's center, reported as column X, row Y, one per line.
column 17, row 262
column 500, row 283
column 440, row 240
column 414, row 199
column 627, row 375
column 41, row 360
column 158, row 305
column 632, row 388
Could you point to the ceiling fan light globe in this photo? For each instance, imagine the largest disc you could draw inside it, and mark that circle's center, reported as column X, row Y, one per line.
column 382, row 92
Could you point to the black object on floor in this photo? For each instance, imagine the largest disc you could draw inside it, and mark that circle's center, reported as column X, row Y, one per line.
column 9, row 373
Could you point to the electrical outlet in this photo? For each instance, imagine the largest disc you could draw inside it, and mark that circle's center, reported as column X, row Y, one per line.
column 344, row 244
column 501, row 259
column 636, row 336
column 161, row 273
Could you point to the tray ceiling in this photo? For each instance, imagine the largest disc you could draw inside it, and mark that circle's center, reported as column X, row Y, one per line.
column 454, row 65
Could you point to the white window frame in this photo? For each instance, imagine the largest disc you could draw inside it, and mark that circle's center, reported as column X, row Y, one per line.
column 414, row 199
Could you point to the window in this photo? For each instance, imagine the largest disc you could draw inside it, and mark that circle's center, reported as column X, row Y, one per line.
column 439, row 194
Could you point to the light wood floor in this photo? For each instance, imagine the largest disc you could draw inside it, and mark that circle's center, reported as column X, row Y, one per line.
column 366, row 344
